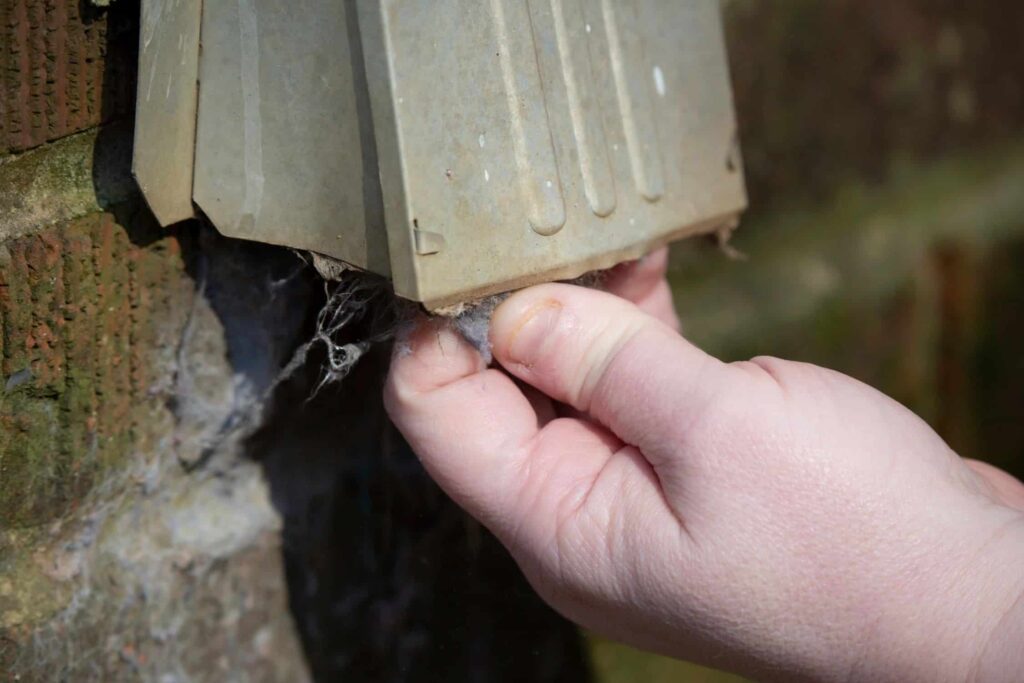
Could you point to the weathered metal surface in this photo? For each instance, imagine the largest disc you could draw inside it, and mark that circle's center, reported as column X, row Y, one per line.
column 285, row 150
column 165, row 113
column 545, row 139
column 549, row 137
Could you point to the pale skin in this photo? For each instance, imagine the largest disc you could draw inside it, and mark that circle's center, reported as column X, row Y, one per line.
column 767, row 517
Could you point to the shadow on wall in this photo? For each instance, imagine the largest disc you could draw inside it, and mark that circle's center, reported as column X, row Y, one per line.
column 118, row 24
column 387, row 579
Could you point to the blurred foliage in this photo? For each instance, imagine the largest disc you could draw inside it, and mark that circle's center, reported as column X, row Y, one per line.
column 614, row 662
column 828, row 91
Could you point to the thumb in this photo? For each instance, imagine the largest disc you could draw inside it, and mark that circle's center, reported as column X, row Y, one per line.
column 605, row 357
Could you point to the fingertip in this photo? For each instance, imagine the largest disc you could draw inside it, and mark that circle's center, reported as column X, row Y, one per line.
column 660, row 305
column 601, row 355
column 429, row 356
column 551, row 335
column 522, row 323
column 632, row 278
column 643, row 283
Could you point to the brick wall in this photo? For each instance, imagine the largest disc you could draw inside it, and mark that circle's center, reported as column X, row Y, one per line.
column 116, row 562
column 81, row 305
column 65, row 66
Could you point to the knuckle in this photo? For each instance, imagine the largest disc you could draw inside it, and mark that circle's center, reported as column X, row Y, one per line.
column 605, row 358
column 775, row 372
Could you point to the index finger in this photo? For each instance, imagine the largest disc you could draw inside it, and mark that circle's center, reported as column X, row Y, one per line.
column 480, row 438
column 643, row 283
column 467, row 423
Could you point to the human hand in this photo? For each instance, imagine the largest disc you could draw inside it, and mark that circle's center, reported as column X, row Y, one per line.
column 769, row 517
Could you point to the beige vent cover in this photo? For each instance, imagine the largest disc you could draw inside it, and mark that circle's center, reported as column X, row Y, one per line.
column 460, row 147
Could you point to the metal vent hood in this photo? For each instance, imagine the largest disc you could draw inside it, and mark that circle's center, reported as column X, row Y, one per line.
column 459, row 147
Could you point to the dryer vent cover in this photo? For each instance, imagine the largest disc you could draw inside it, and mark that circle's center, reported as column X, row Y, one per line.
column 459, row 147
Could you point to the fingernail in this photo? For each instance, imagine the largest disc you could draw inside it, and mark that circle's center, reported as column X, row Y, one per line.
column 527, row 338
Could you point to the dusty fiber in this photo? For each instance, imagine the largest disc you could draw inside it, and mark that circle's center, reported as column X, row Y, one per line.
column 473, row 320
column 352, row 295
column 474, row 323
column 353, row 298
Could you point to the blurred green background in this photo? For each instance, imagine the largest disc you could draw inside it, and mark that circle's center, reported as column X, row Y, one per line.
column 884, row 156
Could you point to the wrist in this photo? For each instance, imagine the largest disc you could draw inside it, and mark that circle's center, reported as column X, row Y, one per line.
column 1000, row 655
column 961, row 616
column 985, row 627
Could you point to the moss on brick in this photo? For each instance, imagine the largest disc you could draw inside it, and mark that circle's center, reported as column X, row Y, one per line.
column 64, row 180
column 82, row 305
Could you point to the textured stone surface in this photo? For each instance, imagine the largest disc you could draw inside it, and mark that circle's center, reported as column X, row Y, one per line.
column 142, row 588
column 65, row 66
column 81, row 174
column 82, row 305
column 166, row 564
column 138, row 541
